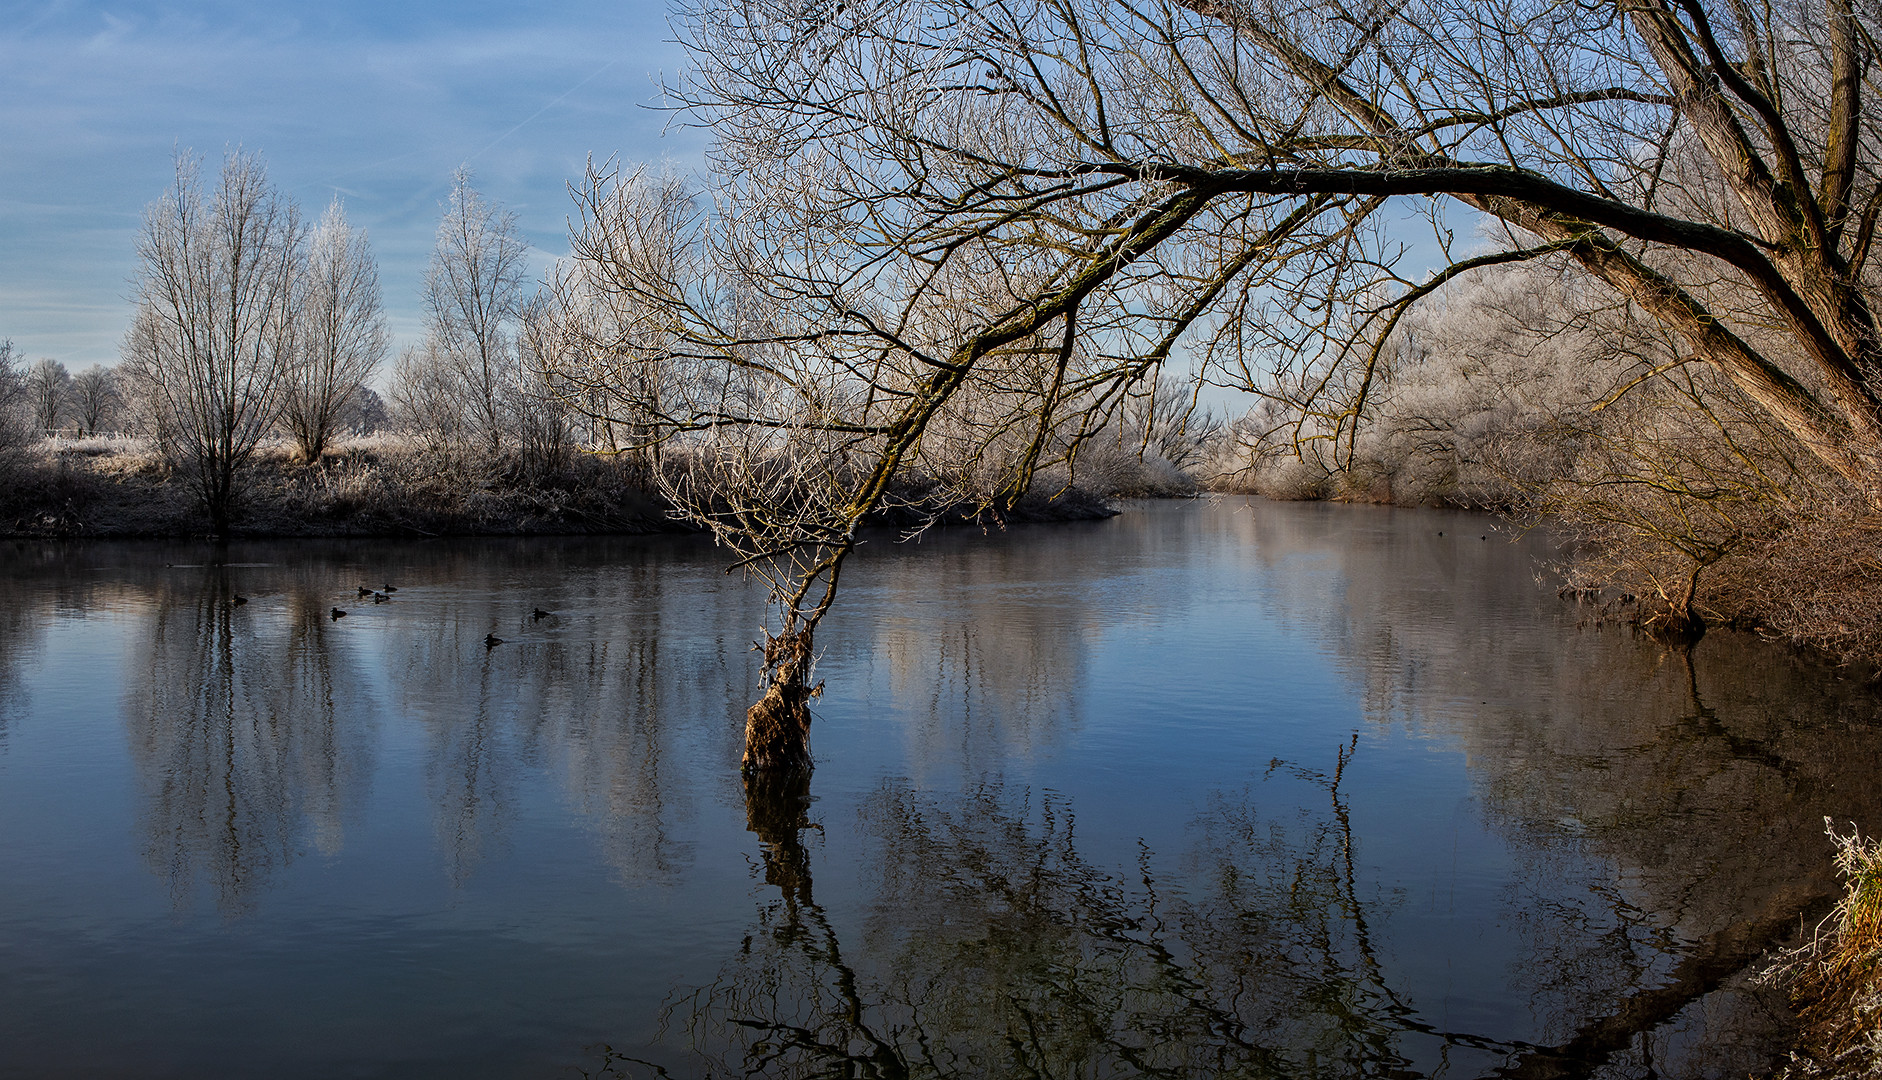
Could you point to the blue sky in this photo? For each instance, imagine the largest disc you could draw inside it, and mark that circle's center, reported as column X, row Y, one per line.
column 377, row 102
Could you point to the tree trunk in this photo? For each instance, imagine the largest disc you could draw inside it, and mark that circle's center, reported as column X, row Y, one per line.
column 777, row 812
column 777, row 728
column 218, row 489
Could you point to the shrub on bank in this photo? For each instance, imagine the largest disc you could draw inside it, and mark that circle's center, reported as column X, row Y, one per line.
column 374, row 485
column 1108, row 468
column 392, row 485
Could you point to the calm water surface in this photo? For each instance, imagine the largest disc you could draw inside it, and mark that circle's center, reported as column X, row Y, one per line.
column 1281, row 790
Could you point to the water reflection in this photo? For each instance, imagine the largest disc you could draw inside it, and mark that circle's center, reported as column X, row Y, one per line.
column 469, row 724
column 1298, row 791
column 21, row 629
column 993, row 945
column 42, row 582
column 623, row 677
column 256, row 723
column 982, row 660
column 249, row 735
column 1642, row 886
column 1666, row 805
column 612, row 754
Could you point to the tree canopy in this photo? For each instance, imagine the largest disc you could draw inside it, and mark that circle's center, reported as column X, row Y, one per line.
column 954, row 237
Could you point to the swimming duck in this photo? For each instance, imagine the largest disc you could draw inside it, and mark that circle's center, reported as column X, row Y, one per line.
column 539, row 614
column 240, row 600
column 390, row 588
column 380, row 598
column 491, row 641
column 338, row 614
column 364, row 591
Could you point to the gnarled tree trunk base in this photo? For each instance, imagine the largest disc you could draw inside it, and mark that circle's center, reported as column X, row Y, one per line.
column 777, row 728
column 1674, row 627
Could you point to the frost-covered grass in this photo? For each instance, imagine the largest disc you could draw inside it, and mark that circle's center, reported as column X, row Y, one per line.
column 388, row 484
column 1836, row 977
column 97, row 445
column 370, row 485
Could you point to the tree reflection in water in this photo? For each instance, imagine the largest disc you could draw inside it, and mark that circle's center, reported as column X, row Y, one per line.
column 24, row 614
column 1000, row 949
column 246, row 737
column 19, row 634
column 1635, row 823
column 472, row 756
column 994, row 943
column 601, row 708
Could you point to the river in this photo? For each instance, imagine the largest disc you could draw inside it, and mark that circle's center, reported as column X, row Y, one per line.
column 1287, row 790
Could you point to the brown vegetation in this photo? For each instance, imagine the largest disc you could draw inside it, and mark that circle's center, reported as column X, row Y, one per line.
column 388, row 485
column 1835, row 978
column 364, row 487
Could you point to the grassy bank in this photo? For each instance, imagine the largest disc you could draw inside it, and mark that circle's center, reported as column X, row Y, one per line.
column 387, row 486
column 377, row 486
column 1835, row 978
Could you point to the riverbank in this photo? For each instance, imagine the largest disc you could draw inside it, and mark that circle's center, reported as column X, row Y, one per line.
column 1835, row 977
column 383, row 486
column 368, row 487
column 1804, row 573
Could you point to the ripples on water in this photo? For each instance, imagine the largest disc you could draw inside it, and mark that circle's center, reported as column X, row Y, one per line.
column 1289, row 790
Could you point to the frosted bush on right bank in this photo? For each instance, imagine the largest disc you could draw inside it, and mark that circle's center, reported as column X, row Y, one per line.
column 1477, row 400
column 1528, row 395
column 1835, row 978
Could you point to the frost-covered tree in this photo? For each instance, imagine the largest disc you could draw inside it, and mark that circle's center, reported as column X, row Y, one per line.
column 474, row 297
column 96, row 401
column 13, row 422
column 341, row 337
column 214, row 331
column 49, row 390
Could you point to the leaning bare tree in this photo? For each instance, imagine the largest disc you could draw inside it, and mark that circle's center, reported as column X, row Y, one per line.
column 950, row 235
column 342, row 334
column 214, row 329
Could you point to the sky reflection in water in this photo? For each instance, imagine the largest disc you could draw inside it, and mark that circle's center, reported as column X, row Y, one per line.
column 1271, row 791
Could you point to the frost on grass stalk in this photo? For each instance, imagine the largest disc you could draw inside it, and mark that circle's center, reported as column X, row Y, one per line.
column 1835, row 979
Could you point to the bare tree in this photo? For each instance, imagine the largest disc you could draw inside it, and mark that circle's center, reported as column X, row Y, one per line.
column 606, row 310
column 474, row 294
column 95, row 399
column 49, row 386
column 952, row 235
column 342, row 335
column 1168, row 422
column 215, row 330
column 538, row 410
column 426, row 397
column 365, row 413
column 12, row 396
